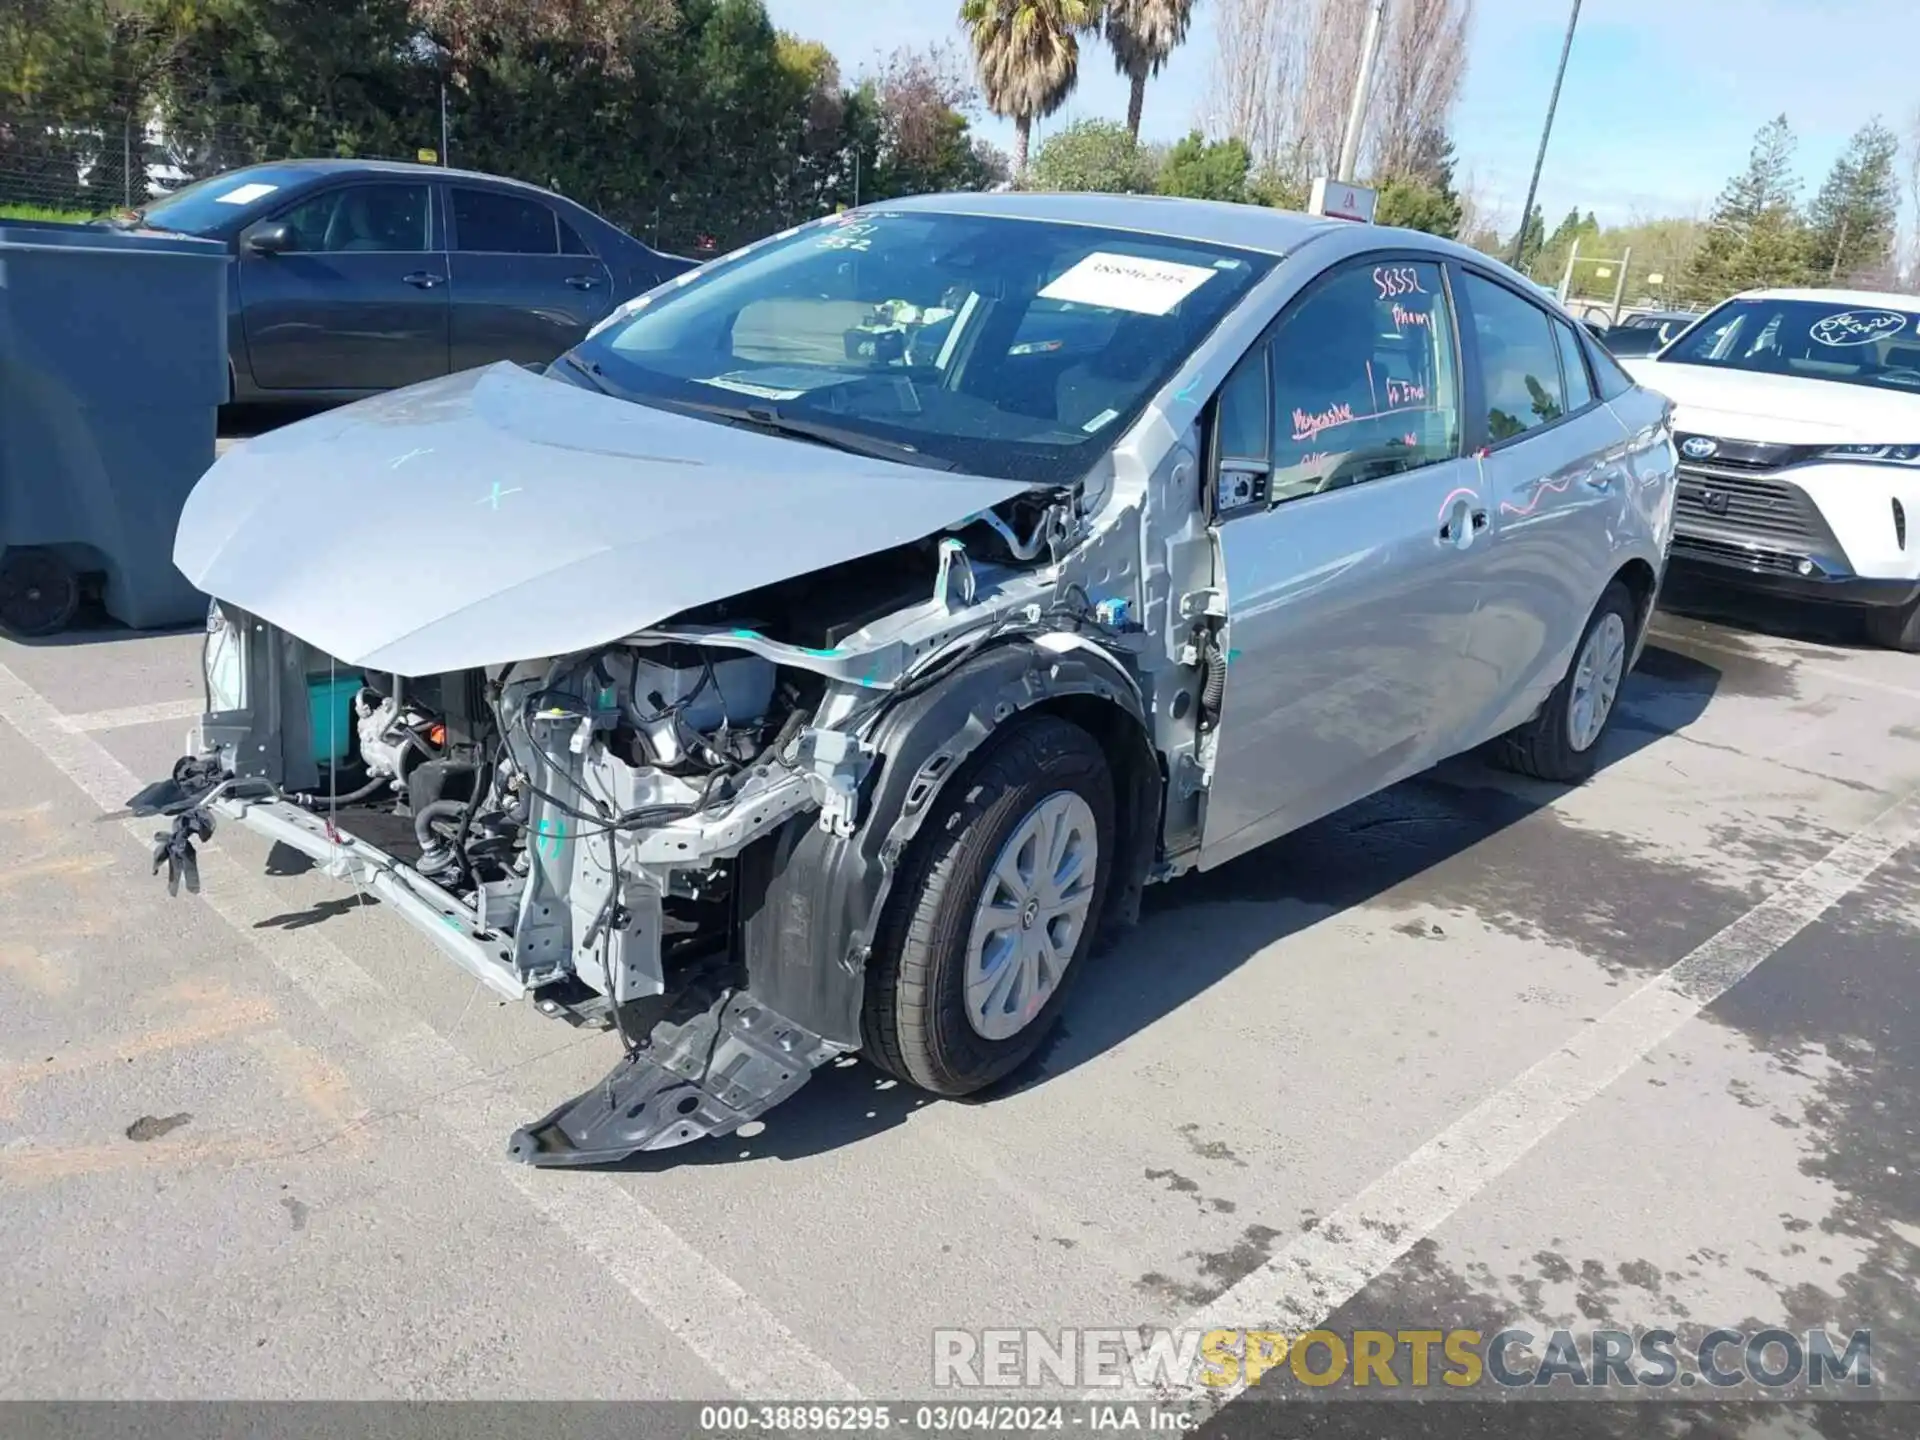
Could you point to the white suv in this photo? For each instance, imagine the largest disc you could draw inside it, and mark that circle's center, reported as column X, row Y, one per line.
column 1797, row 414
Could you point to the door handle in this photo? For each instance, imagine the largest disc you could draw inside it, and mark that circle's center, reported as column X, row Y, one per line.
column 584, row 282
column 422, row 279
column 1461, row 525
column 1603, row 477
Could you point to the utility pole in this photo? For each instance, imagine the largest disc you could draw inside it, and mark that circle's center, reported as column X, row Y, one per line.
column 1362, row 90
column 1546, row 131
column 1620, row 285
column 444, row 161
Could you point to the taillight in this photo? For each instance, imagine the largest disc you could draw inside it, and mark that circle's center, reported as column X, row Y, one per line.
column 1899, row 524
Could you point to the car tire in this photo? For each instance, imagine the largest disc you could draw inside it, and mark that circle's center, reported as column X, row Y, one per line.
column 1562, row 742
column 1040, row 781
column 39, row 593
column 1896, row 627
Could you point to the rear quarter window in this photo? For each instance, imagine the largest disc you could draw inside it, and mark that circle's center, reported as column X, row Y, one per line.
column 1612, row 381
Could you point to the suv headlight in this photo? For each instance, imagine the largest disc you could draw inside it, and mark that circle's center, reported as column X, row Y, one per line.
column 1874, row 454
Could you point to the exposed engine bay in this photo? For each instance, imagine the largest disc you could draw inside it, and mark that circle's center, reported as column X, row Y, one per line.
column 668, row 836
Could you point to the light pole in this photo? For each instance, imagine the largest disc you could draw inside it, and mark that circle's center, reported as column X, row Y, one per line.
column 1539, row 160
column 1362, row 89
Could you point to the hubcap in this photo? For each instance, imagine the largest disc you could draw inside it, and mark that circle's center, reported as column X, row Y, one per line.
column 1596, row 681
column 1031, row 914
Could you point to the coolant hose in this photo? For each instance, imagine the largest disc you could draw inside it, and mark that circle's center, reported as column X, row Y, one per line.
column 427, row 814
column 352, row 797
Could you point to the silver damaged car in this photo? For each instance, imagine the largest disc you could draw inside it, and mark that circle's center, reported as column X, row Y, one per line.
column 825, row 652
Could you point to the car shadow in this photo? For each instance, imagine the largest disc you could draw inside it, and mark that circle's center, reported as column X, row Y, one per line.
column 1386, row 843
column 1748, row 612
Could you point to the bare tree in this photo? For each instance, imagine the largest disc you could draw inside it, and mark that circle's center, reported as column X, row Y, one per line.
column 1330, row 64
column 1256, row 62
column 1913, row 200
column 1423, row 63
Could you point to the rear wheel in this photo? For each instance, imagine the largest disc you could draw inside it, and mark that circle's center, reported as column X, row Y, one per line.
column 1562, row 742
column 39, row 593
column 995, row 913
column 1896, row 626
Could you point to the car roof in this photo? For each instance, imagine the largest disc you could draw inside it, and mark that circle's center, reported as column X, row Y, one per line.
column 1885, row 299
column 1245, row 227
column 334, row 166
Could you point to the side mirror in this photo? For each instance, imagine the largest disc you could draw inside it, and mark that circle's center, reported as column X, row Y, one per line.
column 270, row 237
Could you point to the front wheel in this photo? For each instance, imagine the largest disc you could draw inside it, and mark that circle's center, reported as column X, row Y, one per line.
column 1562, row 742
column 995, row 912
column 1897, row 627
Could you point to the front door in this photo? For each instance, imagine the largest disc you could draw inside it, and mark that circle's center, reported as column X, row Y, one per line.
column 359, row 301
column 526, row 287
column 1349, row 529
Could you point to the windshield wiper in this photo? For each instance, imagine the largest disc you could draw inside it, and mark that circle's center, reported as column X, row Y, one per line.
column 835, row 437
column 592, row 372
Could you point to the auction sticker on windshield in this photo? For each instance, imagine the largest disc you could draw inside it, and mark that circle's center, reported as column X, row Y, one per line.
column 1858, row 327
column 247, row 194
column 1127, row 282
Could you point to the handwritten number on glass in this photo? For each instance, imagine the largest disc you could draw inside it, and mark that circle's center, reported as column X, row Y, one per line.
column 1395, row 280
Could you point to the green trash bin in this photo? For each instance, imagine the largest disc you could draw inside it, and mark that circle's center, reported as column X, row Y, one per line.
column 113, row 367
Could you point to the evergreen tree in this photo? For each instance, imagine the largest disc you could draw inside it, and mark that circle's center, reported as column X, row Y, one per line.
column 1852, row 222
column 1533, row 235
column 1756, row 237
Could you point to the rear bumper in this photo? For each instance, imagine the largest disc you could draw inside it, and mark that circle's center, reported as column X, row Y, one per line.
column 442, row 917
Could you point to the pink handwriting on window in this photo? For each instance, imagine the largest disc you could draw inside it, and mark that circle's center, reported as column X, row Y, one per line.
column 1397, row 280
column 1404, row 392
column 1410, row 440
column 1403, row 317
column 1306, row 427
column 1312, row 458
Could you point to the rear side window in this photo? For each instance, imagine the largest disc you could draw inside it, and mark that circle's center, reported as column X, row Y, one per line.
column 570, row 241
column 1573, row 368
column 1613, row 381
column 1519, row 360
column 486, row 222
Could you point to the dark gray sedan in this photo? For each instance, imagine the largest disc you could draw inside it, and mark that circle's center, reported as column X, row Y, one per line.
column 353, row 276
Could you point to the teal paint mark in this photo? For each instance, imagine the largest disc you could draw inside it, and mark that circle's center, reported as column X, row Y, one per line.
column 495, row 496
column 746, row 635
column 1185, row 392
column 551, row 832
column 1233, row 655
column 453, row 924
column 818, row 654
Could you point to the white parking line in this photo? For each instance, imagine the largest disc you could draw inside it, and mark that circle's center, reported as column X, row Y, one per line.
column 745, row 1344
column 120, row 719
column 1300, row 1287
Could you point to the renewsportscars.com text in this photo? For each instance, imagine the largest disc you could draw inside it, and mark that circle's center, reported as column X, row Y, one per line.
column 1384, row 1360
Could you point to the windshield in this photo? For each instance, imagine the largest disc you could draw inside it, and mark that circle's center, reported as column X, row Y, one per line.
column 1812, row 339
column 207, row 206
column 1012, row 348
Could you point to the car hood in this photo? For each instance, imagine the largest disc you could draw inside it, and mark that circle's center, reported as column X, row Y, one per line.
column 1779, row 409
column 498, row 515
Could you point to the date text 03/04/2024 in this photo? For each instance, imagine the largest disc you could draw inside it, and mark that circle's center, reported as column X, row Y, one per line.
column 907, row 1418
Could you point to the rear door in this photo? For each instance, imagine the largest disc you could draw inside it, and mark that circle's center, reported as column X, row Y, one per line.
column 526, row 286
column 359, row 302
column 1556, row 479
column 1348, row 526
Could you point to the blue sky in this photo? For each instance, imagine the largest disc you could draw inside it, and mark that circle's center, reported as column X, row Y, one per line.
column 1661, row 102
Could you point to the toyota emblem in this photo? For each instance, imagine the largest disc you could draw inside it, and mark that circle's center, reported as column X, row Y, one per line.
column 1698, row 447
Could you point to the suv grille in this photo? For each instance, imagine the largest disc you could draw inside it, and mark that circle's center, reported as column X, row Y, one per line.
column 1737, row 503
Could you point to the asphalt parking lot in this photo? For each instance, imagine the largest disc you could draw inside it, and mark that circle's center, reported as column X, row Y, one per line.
column 1476, row 1052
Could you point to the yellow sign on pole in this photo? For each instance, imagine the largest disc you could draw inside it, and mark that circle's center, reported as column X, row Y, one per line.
column 429, row 157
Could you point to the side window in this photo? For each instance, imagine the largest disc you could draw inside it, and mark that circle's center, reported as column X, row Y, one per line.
column 1614, row 382
column 1518, row 358
column 1573, row 368
column 374, row 218
column 1363, row 379
column 570, row 241
column 486, row 222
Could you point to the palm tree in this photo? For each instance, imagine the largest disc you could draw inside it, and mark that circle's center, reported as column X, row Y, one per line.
column 1028, row 55
column 1142, row 34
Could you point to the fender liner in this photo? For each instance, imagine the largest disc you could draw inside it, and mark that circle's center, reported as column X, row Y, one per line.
column 811, row 902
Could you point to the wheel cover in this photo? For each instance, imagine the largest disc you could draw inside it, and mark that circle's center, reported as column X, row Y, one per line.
column 36, row 593
column 1596, row 681
column 1032, row 911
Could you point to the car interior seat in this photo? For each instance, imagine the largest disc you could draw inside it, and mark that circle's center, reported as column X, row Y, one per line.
column 1111, row 377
